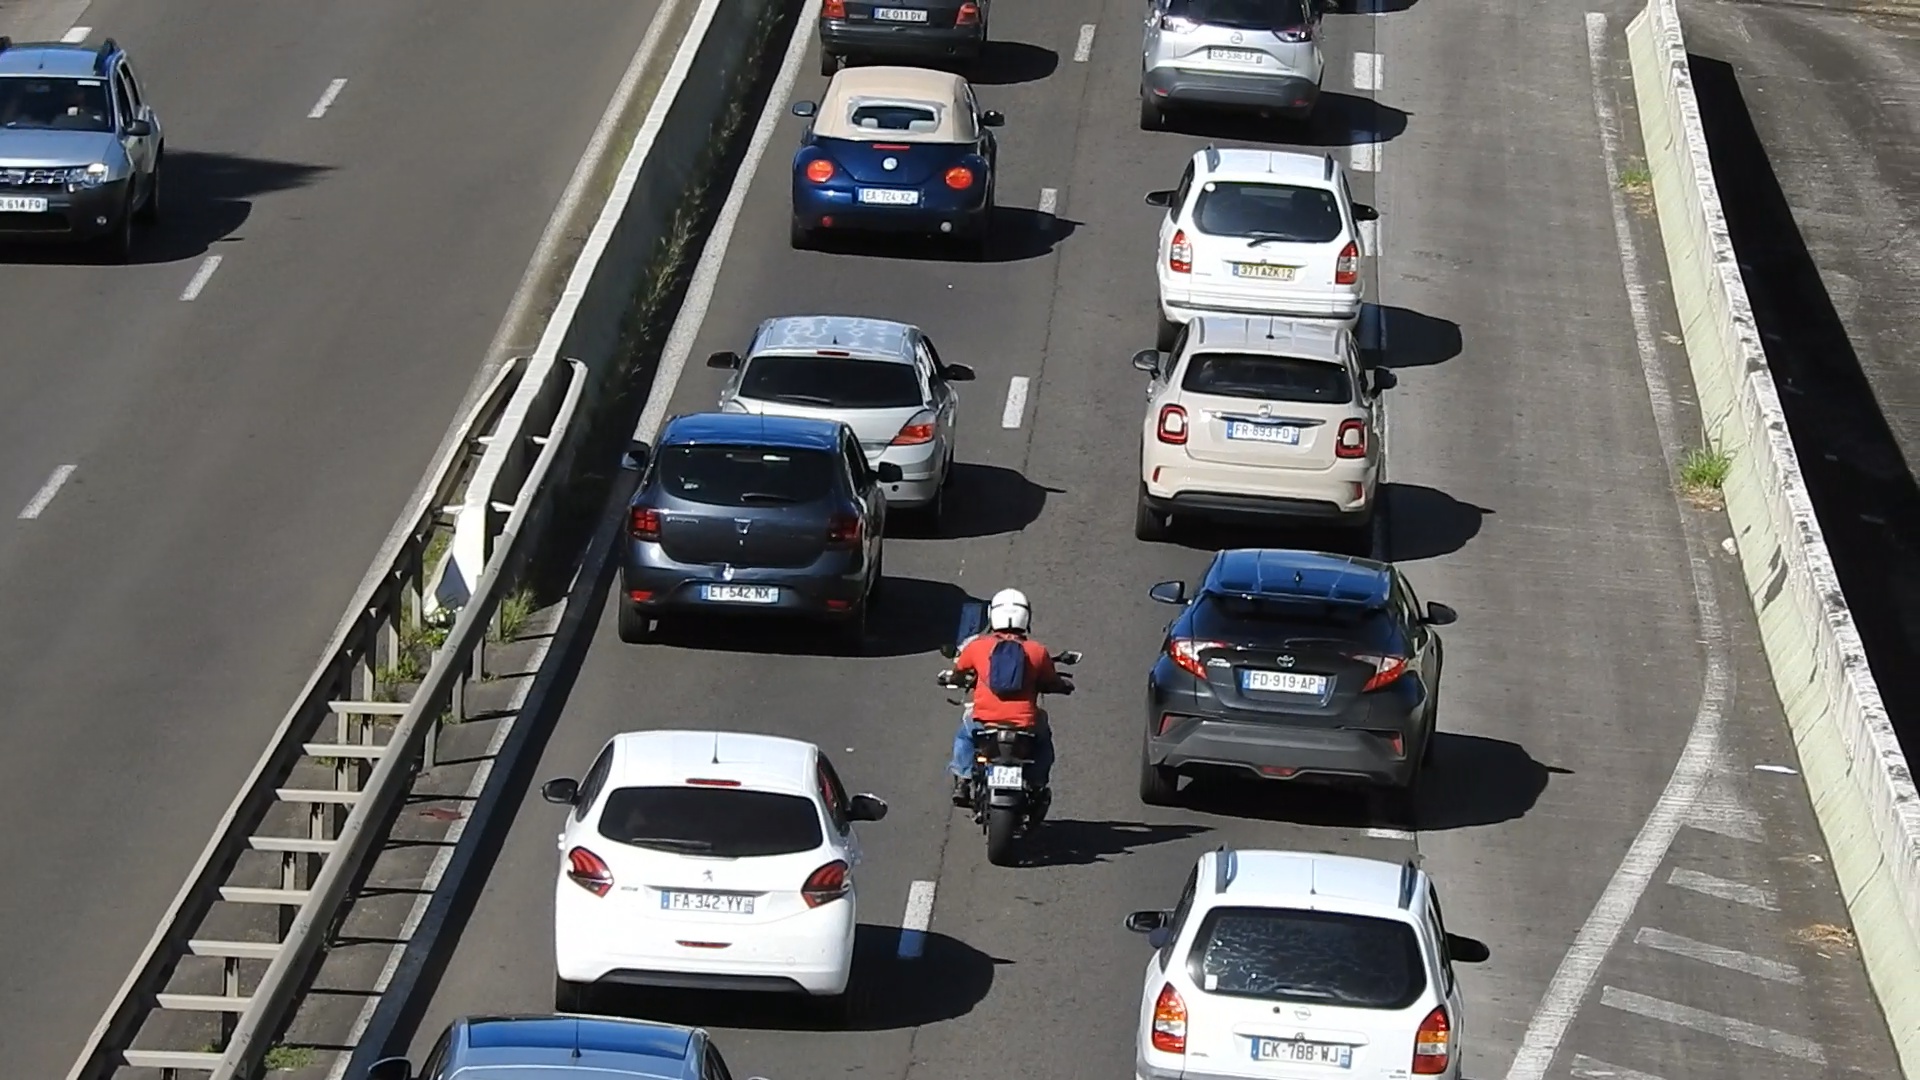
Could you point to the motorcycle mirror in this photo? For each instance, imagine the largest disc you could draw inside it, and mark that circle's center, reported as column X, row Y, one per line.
column 866, row 808
column 1070, row 657
column 1146, row 922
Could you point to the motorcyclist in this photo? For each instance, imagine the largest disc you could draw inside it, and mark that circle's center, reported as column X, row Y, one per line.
column 1009, row 618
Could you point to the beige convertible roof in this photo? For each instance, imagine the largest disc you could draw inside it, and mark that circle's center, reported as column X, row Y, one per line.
column 876, row 104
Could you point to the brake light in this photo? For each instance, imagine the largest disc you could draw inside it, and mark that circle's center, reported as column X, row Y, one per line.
column 843, row 530
column 819, row 170
column 959, row 178
column 697, row 782
column 1346, row 270
column 1180, row 253
column 1173, row 425
column 1185, row 653
column 1295, row 34
column 827, row 884
column 1170, row 1022
column 1385, row 669
column 917, row 431
column 589, row 871
column 645, row 525
column 833, row 9
column 1432, row 1043
column 969, row 15
column 1352, row 440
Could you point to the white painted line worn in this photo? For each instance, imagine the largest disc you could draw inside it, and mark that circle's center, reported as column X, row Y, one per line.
column 1049, row 201
column 1604, row 925
column 1722, row 889
column 38, row 504
column 1370, row 238
column 914, row 924
column 1083, row 48
column 1595, row 1069
column 1368, row 71
column 1784, row 770
column 1389, row 834
column 76, row 35
column 326, row 99
column 200, row 278
column 1726, row 1027
column 1721, row 811
column 1719, row 956
column 1016, row 403
column 1364, row 154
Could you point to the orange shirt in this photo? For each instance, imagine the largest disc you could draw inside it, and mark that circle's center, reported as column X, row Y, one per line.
column 1018, row 710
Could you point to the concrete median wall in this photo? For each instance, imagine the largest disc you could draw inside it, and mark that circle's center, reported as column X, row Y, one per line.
column 1863, row 790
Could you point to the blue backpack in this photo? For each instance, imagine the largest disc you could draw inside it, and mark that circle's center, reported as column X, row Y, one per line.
column 1007, row 668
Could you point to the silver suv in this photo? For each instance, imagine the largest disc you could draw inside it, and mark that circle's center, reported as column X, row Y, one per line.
column 80, row 147
column 1235, row 54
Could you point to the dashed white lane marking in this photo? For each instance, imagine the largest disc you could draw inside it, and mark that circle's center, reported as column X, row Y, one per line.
column 1726, row 1027
column 76, row 35
column 200, row 278
column 326, row 99
column 1016, row 402
column 1719, row 956
column 38, row 504
column 1083, row 48
column 1364, row 156
column 1390, row 834
column 1595, row 1069
column 1722, row 889
column 1369, row 71
column 914, row 924
column 1049, row 200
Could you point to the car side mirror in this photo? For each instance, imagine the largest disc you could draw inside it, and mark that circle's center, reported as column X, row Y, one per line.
column 1440, row 615
column 1363, row 212
column 1169, row 592
column 957, row 373
column 1160, row 198
column 888, row 472
column 394, row 1068
column 1147, row 360
column 1466, row 950
column 1146, row 922
column 1383, row 379
column 804, row 109
column 636, row 456
column 139, row 128
column 992, row 118
column 724, row 360
column 866, row 808
column 563, row 791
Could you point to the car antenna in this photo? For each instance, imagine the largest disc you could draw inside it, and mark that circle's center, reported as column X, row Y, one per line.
column 716, row 748
column 576, row 1040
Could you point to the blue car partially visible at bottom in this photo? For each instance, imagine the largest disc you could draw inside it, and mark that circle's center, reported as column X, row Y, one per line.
column 897, row 150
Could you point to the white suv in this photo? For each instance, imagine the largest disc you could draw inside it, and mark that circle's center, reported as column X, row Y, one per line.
column 1259, row 232
column 707, row 860
column 1279, row 965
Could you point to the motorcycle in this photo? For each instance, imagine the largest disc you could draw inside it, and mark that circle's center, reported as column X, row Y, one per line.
column 1004, row 804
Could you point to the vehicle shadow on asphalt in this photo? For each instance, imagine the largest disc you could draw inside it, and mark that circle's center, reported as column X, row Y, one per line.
column 984, row 500
column 1007, row 63
column 1019, row 234
column 1417, row 340
column 912, row 616
column 1338, row 120
column 1211, row 536
column 1067, row 842
column 1426, row 523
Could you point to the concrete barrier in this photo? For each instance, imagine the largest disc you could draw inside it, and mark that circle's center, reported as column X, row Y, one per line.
column 1862, row 787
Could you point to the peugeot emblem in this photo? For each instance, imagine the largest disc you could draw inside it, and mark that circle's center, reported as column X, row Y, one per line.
column 708, row 875
column 1283, row 661
column 889, row 163
column 1236, row 38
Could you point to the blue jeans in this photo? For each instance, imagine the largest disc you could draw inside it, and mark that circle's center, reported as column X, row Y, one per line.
column 1038, row 773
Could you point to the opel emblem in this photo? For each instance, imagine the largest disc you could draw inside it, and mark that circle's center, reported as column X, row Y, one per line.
column 1298, row 1013
column 889, row 163
column 1236, row 38
column 1283, row 661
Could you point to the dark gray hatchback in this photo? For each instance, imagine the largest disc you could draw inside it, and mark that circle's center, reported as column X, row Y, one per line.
column 753, row 515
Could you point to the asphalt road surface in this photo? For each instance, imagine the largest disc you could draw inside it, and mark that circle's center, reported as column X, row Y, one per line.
column 239, row 455
column 1529, row 490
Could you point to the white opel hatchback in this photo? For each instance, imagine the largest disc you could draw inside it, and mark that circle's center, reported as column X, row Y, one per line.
column 1284, row 965
column 707, row 860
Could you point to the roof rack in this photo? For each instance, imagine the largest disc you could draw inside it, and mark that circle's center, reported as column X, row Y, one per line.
column 1226, row 867
column 104, row 55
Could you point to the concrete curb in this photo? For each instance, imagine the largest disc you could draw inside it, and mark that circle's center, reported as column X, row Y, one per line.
column 1863, row 790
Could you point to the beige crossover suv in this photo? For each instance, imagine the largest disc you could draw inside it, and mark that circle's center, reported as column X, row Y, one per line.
column 1259, row 417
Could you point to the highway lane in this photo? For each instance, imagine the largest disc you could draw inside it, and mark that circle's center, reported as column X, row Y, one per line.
column 241, row 454
column 1528, row 491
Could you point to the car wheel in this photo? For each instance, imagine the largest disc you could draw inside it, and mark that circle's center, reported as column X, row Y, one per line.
column 568, row 996
column 1402, row 804
column 799, row 237
column 835, row 1010
column 934, row 512
column 1433, row 728
column 117, row 247
column 1148, row 524
column 852, row 630
column 635, row 624
column 1159, row 785
column 979, row 243
column 150, row 211
column 1152, row 116
column 830, row 64
column 1164, row 334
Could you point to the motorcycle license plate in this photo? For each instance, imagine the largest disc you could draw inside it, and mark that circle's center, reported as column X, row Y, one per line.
column 1005, row 776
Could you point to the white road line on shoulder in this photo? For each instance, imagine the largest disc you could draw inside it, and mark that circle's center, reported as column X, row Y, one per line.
column 914, row 924
column 76, row 35
column 1369, row 71
column 1726, row 1027
column 1389, row 834
column 1604, row 925
column 200, row 278
column 1738, row 892
column 1594, row 1069
column 1016, row 403
column 1083, row 48
column 326, row 99
column 1049, row 201
column 1719, row 956
column 1364, row 156
column 1370, row 238
column 38, row 504
column 1722, row 812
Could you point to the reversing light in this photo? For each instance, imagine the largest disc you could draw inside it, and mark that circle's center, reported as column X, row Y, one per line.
column 1351, row 442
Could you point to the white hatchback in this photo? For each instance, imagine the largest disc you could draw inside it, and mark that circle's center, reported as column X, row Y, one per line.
column 1287, row 965
column 707, row 860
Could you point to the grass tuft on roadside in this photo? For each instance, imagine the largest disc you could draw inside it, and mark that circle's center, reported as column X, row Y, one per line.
column 1702, row 474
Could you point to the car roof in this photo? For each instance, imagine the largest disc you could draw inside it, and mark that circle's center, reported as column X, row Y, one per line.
column 1312, row 340
column 1290, row 574
column 1283, row 166
column 670, row 758
column 906, row 85
column 1315, row 881
column 51, row 58
column 608, row 1047
column 843, row 335
column 743, row 429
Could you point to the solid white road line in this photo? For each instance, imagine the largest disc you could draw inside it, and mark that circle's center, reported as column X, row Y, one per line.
column 1364, row 156
column 1604, row 925
column 76, row 35
column 1369, row 71
column 1370, row 238
column 1719, row 956
column 1016, row 402
column 1726, row 1027
column 1722, row 889
column 47, row 491
column 1594, row 1069
column 326, row 99
column 1049, row 200
column 1083, row 48
column 914, row 924
column 200, row 278
column 1389, row 834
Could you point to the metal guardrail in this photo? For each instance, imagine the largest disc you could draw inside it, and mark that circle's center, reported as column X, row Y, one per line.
column 315, row 806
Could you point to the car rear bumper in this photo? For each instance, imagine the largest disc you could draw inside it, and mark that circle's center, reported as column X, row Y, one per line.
column 919, row 475
column 831, row 587
column 1219, row 505
column 810, row 953
column 1231, row 90
column 1356, row 745
column 901, row 40
column 848, row 217
column 1334, row 307
column 70, row 216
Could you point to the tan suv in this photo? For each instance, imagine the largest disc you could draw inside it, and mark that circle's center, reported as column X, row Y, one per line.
column 1259, row 417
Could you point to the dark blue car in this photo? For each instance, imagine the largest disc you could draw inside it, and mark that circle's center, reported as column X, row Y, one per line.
column 899, row 150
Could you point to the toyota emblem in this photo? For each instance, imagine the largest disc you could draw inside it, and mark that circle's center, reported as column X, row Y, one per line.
column 889, row 163
column 1283, row 661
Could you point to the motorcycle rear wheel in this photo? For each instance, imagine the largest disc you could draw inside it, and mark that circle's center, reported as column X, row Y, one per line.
column 1002, row 823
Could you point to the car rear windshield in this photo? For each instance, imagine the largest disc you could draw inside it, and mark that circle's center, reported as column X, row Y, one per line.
column 1263, row 621
column 1241, row 14
column 909, row 116
column 28, row 103
column 1293, row 215
column 729, row 822
column 1310, row 957
column 1268, row 378
column 745, row 475
column 831, row 382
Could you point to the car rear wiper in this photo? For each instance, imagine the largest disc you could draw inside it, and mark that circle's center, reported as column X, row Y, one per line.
column 670, row 843
column 765, row 497
column 806, row 399
column 1256, row 239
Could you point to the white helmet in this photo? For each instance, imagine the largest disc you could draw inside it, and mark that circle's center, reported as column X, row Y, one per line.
column 1009, row 610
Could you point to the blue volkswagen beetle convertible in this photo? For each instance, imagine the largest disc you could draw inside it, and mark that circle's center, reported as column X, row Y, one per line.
column 899, row 150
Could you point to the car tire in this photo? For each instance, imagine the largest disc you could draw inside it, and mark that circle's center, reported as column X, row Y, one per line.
column 836, row 1010
column 1152, row 116
column 799, row 237
column 1148, row 524
column 1433, row 728
column 1159, row 785
column 569, row 996
column 150, row 210
column 1402, row 804
column 830, row 64
column 852, row 631
column 934, row 512
column 635, row 624
column 1164, row 334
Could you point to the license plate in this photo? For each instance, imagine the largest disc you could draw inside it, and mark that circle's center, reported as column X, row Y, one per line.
column 1264, row 271
column 894, row 14
column 724, row 903
column 1282, row 682
column 889, row 197
column 1273, row 433
column 1305, row 1053
column 1235, row 56
column 741, row 594
column 1005, row 776
column 21, row 204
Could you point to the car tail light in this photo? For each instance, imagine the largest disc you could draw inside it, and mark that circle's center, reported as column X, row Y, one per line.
column 843, row 530
column 1166, row 721
column 1185, row 653
column 589, row 871
column 645, row 525
column 1352, row 440
column 1180, row 253
column 1385, row 669
column 959, row 178
column 917, row 431
column 827, row 884
column 969, row 15
column 1173, row 425
column 833, row 9
column 1346, row 270
column 1294, row 34
column 1432, row 1044
column 1170, row 1022
column 819, row 170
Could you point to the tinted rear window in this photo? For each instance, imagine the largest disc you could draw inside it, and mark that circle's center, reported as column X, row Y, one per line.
column 1268, row 378
column 831, row 382
column 1241, row 14
column 1295, row 215
column 731, row 822
column 746, row 475
column 1272, row 622
column 1311, row 957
